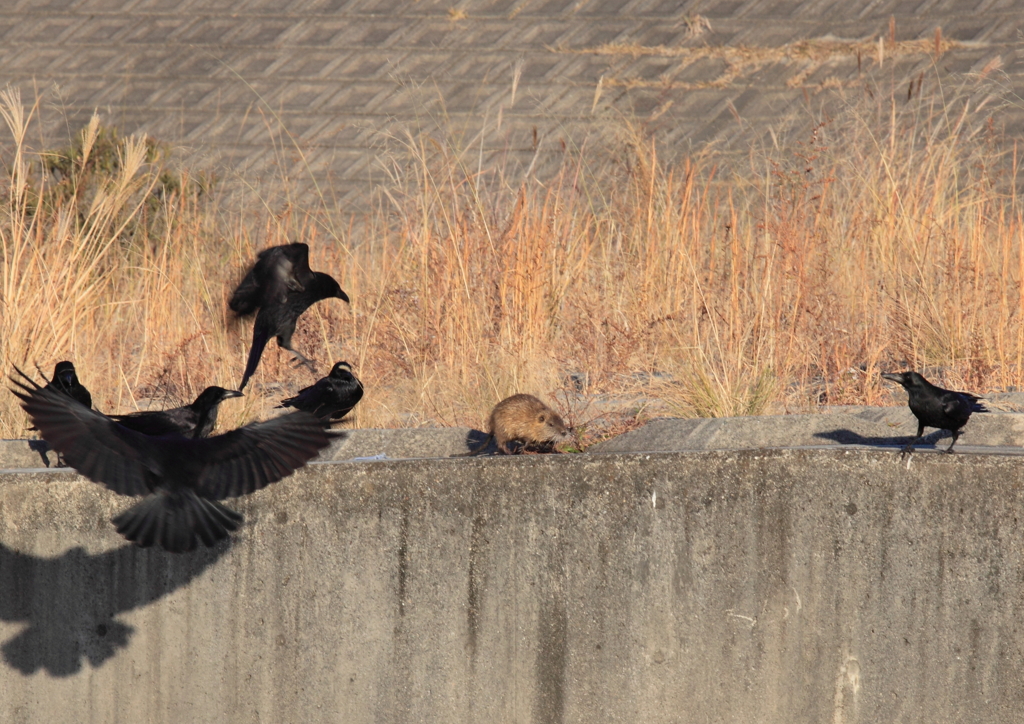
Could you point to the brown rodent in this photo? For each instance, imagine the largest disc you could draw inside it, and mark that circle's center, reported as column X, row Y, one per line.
column 525, row 419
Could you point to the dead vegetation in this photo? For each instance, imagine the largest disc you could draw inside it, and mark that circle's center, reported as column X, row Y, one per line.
column 739, row 62
column 889, row 236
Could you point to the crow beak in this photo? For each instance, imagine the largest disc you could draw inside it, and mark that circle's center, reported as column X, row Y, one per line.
column 893, row 377
column 342, row 296
column 228, row 394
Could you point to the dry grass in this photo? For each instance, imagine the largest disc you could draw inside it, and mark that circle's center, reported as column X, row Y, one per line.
column 742, row 61
column 889, row 237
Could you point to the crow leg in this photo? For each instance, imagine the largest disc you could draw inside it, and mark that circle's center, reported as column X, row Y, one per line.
column 301, row 359
column 956, row 434
column 909, row 447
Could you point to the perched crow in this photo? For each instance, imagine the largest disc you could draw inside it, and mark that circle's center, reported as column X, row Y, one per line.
column 935, row 407
column 332, row 397
column 276, row 271
column 282, row 287
column 181, row 478
column 66, row 380
column 195, row 420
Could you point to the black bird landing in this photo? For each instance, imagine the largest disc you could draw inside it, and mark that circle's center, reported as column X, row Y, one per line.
column 196, row 420
column 332, row 397
column 181, row 478
column 65, row 380
column 935, row 407
column 282, row 286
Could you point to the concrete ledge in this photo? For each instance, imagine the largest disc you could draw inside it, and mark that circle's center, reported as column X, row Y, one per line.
column 862, row 426
column 421, row 442
column 772, row 586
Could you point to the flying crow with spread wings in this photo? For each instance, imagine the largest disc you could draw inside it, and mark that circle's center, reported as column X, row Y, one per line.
column 934, row 406
column 332, row 397
column 281, row 286
column 182, row 479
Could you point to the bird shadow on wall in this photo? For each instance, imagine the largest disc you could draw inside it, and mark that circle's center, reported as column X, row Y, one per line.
column 41, row 448
column 70, row 602
column 849, row 437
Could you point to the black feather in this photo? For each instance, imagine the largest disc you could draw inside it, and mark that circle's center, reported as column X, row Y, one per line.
column 276, row 270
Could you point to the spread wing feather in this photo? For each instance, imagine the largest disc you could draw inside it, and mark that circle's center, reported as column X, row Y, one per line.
column 249, row 458
column 90, row 442
column 276, row 270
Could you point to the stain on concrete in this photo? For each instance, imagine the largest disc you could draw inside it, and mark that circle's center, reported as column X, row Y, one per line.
column 552, row 660
column 474, row 592
column 403, row 563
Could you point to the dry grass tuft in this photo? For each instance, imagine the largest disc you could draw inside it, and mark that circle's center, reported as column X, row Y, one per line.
column 889, row 237
column 805, row 57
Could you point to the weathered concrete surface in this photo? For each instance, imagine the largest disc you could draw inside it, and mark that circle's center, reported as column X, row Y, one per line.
column 825, row 585
column 860, row 426
column 864, row 426
column 421, row 442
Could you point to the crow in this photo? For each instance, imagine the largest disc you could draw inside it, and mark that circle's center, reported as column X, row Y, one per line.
column 281, row 286
column 66, row 380
column 935, row 407
column 196, row 420
column 181, row 478
column 332, row 397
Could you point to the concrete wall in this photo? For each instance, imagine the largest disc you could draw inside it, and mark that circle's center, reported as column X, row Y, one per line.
column 787, row 586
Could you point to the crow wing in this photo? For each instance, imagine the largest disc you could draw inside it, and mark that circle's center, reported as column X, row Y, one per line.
column 276, row 271
column 309, row 398
column 252, row 457
column 260, row 337
column 961, row 404
column 92, row 443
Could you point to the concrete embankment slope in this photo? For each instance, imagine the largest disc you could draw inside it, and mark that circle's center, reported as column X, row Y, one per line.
column 791, row 586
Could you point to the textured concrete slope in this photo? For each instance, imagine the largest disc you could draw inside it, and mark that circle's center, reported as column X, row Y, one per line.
column 311, row 89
